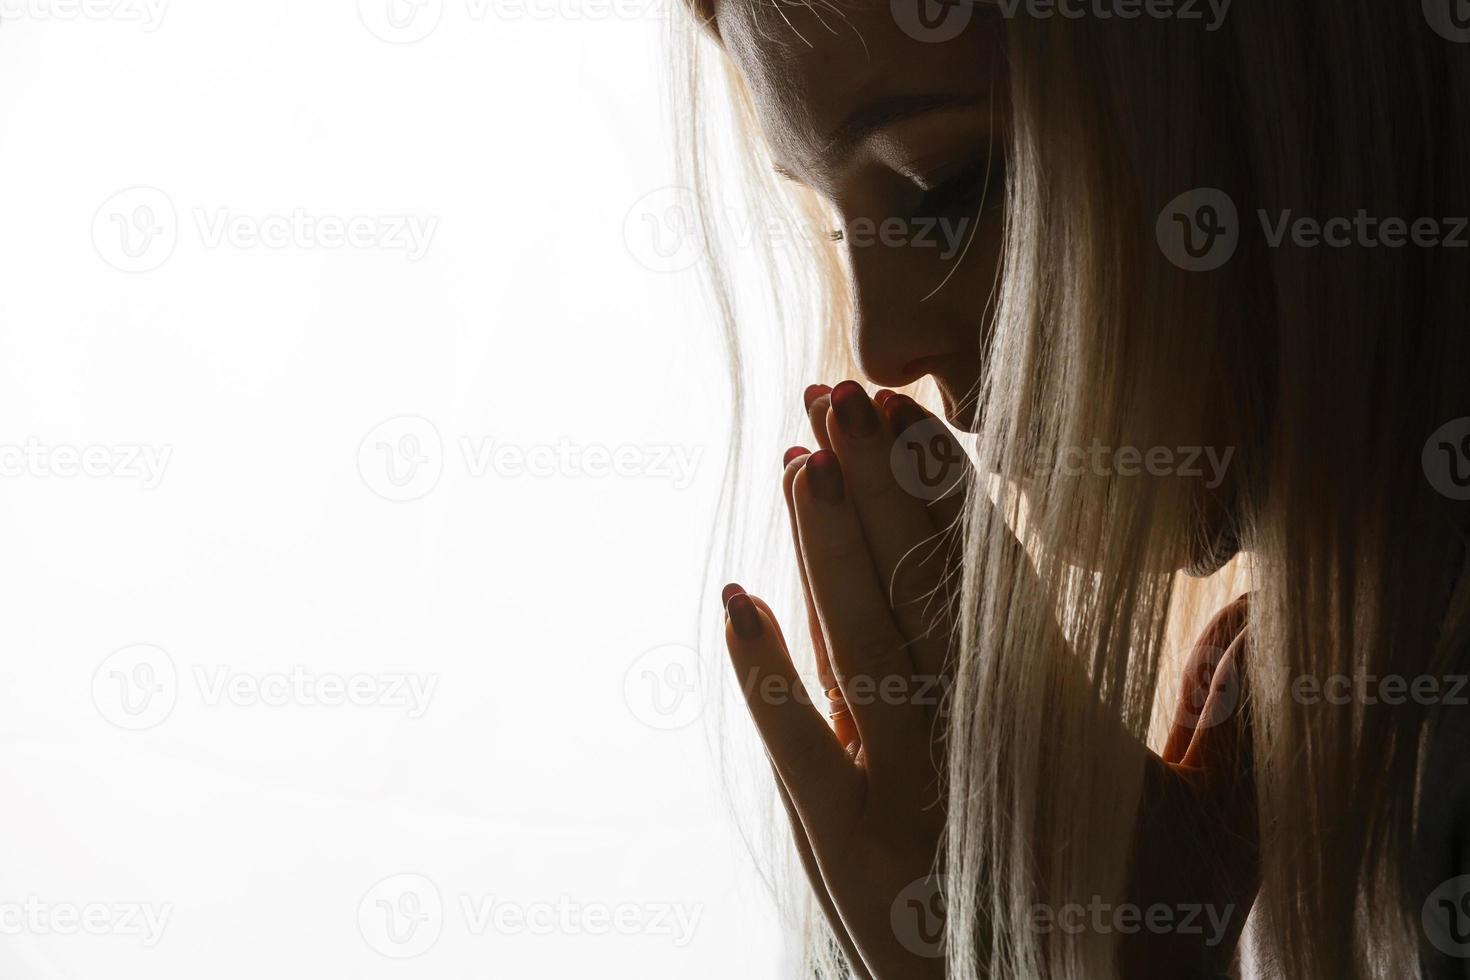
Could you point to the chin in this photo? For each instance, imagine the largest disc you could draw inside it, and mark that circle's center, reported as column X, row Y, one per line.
column 964, row 421
column 964, row 417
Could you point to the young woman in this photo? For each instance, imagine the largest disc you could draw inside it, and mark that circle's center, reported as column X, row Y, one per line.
column 1208, row 310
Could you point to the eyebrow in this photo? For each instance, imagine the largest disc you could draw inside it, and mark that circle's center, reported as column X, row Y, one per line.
column 885, row 112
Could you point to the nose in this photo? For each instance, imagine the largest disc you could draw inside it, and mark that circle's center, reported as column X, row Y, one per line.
column 894, row 328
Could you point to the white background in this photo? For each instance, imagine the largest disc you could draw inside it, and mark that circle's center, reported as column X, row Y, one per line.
column 324, row 500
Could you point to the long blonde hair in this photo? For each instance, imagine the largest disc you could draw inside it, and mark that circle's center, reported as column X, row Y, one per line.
column 1325, row 370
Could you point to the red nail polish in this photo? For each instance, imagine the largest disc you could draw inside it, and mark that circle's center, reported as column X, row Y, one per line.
column 795, row 452
column 813, row 392
column 904, row 413
column 729, row 592
column 825, row 475
column 744, row 616
column 854, row 410
column 881, row 398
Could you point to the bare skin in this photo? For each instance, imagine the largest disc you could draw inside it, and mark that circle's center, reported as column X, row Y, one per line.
column 864, row 801
column 889, row 127
column 863, row 793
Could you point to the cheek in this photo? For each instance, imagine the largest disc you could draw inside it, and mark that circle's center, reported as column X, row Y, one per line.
column 927, row 269
column 920, row 308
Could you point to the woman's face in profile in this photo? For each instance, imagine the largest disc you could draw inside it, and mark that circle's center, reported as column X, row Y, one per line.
column 905, row 138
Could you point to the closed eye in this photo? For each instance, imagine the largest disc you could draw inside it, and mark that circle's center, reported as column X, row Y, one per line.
column 965, row 191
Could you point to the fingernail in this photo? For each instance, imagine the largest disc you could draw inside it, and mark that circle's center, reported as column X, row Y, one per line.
column 729, row 592
column 904, row 413
column 744, row 616
column 881, row 398
column 795, row 452
column 825, row 476
column 854, row 410
column 813, row 392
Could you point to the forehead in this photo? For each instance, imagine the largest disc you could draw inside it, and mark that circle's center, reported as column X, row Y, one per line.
column 811, row 65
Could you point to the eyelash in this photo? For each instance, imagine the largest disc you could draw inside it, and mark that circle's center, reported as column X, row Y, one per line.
column 952, row 195
column 955, row 193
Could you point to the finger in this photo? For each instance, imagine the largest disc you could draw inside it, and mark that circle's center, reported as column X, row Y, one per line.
column 868, row 651
column 1212, row 721
column 909, row 554
column 1193, row 710
column 929, row 461
column 818, row 882
column 927, row 441
column 810, row 761
column 841, row 723
column 732, row 590
column 921, row 439
column 795, row 459
column 800, row 835
column 818, row 399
